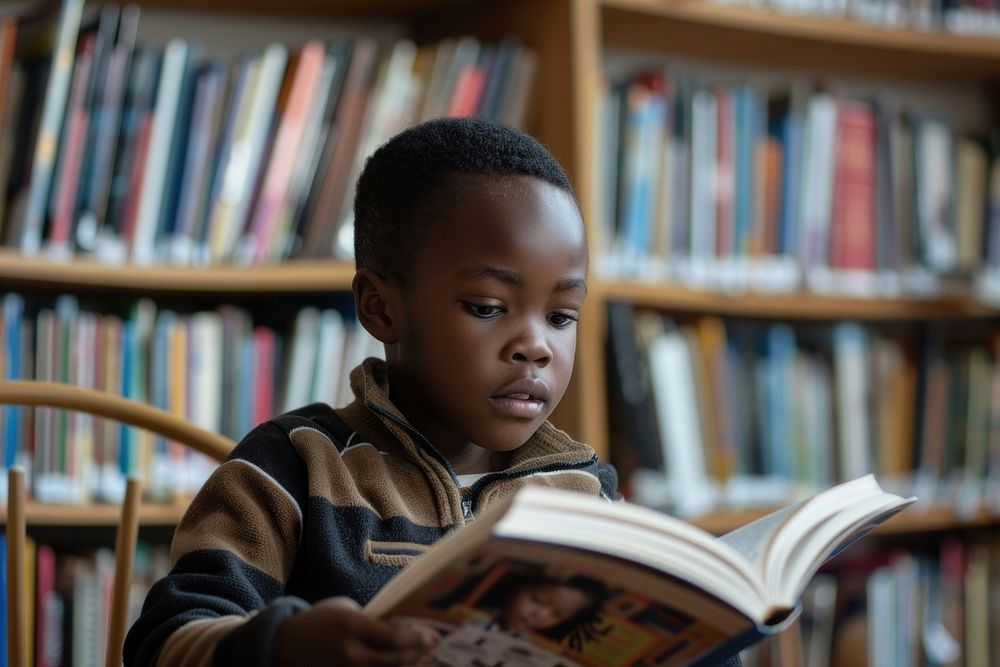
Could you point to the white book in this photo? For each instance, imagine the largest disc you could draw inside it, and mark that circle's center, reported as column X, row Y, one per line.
column 205, row 354
column 651, row 589
column 83, row 471
column 168, row 99
column 703, row 176
column 675, row 395
column 935, row 195
column 329, row 357
column 302, row 363
column 851, row 363
column 816, row 202
column 229, row 212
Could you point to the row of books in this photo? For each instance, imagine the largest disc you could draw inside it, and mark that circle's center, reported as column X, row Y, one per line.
column 151, row 153
column 68, row 596
column 217, row 368
column 746, row 185
column 967, row 17
column 727, row 413
column 931, row 604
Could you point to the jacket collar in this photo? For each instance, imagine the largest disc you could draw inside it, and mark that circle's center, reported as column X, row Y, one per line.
column 374, row 415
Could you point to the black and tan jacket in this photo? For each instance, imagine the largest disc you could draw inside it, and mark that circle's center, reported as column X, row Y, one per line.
column 317, row 503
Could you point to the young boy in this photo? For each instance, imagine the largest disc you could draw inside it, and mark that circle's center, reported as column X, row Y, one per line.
column 471, row 270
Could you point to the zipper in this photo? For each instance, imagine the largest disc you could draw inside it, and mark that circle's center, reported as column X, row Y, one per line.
column 470, row 498
column 507, row 475
column 409, row 427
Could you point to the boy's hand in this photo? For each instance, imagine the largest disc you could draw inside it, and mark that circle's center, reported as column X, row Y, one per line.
column 336, row 631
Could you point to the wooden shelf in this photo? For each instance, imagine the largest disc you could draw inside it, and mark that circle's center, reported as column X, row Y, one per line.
column 393, row 9
column 723, row 31
column 298, row 276
column 914, row 519
column 793, row 306
column 99, row 514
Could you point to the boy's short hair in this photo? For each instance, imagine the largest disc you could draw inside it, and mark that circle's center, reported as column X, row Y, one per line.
column 405, row 172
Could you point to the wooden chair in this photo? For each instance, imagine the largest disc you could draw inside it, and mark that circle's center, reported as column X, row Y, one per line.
column 110, row 406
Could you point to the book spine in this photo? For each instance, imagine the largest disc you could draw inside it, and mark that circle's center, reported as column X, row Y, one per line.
column 853, row 225
column 286, row 150
column 72, row 156
column 157, row 157
column 53, row 111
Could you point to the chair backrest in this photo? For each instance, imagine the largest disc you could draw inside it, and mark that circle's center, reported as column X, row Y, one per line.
column 111, row 406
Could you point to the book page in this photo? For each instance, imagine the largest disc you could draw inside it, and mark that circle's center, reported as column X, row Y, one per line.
column 538, row 605
column 751, row 539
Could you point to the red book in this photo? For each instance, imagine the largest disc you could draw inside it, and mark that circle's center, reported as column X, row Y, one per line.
column 71, row 161
column 725, row 185
column 853, row 226
column 468, row 89
column 48, row 611
column 264, row 375
column 143, row 135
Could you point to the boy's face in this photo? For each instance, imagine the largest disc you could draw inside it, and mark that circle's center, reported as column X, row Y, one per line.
column 488, row 333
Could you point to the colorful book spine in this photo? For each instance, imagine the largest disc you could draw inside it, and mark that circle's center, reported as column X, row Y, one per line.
column 53, row 111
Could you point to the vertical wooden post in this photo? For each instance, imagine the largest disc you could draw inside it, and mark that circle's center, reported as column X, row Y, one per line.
column 17, row 622
column 125, row 540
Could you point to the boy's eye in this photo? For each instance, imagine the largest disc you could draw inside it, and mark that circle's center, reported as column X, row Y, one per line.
column 561, row 320
column 483, row 311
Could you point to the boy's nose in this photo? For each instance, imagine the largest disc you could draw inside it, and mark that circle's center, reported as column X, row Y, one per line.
column 531, row 347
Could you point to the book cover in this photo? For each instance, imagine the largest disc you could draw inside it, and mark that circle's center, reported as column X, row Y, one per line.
column 551, row 578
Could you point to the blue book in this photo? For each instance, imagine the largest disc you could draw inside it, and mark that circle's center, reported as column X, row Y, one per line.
column 177, row 161
column 745, row 102
column 777, row 368
column 645, row 125
column 126, row 453
column 13, row 314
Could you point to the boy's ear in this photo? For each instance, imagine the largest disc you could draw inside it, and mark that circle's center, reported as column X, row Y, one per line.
column 373, row 297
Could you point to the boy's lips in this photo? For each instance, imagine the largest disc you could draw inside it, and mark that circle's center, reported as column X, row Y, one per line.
column 522, row 398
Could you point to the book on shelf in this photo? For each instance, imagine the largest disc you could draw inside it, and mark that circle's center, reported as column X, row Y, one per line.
column 549, row 577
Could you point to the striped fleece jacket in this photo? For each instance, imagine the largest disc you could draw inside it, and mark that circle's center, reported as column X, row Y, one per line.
column 317, row 503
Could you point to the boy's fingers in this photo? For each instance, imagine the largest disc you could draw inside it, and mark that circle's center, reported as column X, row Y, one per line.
column 343, row 602
column 377, row 633
column 387, row 657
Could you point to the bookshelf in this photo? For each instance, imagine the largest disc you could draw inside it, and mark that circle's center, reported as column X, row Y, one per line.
column 573, row 39
column 100, row 514
column 298, row 277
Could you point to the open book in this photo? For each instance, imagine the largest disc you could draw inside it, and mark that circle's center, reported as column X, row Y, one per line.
column 552, row 578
